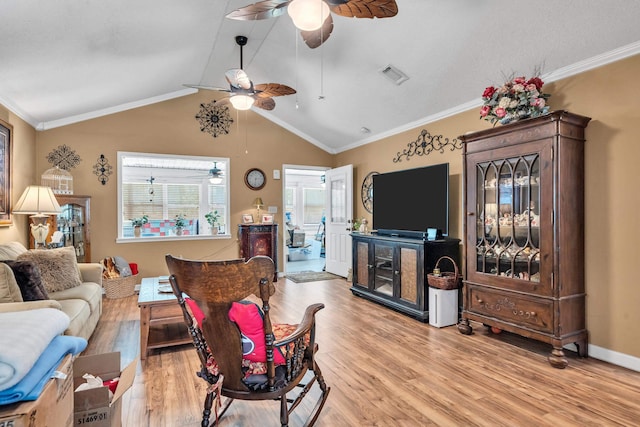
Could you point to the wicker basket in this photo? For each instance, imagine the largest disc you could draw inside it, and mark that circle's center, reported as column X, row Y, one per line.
column 120, row 287
column 446, row 280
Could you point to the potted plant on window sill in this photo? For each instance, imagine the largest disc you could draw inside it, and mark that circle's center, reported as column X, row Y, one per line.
column 138, row 223
column 212, row 218
column 181, row 222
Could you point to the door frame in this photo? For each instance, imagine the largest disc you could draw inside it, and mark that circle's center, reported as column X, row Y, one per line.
column 285, row 167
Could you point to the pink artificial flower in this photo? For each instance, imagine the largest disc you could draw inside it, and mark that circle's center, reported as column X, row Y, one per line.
column 538, row 102
column 488, row 92
column 484, row 111
column 519, row 80
column 500, row 112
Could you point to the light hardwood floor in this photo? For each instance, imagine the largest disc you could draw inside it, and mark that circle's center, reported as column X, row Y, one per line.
column 385, row 369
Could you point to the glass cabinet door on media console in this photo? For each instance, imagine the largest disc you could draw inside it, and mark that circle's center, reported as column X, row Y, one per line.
column 395, row 271
column 524, row 228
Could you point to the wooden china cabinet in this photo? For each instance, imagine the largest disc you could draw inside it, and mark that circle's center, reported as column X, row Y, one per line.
column 524, row 228
column 259, row 239
column 73, row 222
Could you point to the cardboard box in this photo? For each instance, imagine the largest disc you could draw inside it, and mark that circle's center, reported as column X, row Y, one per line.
column 94, row 407
column 53, row 408
column 297, row 240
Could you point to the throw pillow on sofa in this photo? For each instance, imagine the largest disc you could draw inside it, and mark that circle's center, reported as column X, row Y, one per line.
column 58, row 267
column 9, row 290
column 29, row 280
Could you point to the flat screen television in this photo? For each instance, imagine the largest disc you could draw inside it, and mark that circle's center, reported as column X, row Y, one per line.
column 410, row 202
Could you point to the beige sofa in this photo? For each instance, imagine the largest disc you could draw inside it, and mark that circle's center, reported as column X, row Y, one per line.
column 82, row 303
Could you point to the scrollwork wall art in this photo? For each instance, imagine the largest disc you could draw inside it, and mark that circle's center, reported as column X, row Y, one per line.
column 64, row 157
column 426, row 144
column 103, row 169
column 214, row 119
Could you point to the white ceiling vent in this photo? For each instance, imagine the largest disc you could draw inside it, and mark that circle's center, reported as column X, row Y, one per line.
column 393, row 74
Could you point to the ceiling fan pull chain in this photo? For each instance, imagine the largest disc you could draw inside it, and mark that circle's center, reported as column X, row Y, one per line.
column 246, row 134
column 321, row 97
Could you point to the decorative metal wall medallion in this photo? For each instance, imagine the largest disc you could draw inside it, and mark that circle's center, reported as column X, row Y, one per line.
column 103, row 169
column 63, row 157
column 425, row 144
column 366, row 192
column 214, row 119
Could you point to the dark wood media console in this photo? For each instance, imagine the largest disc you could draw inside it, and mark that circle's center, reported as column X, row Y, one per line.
column 392, row 270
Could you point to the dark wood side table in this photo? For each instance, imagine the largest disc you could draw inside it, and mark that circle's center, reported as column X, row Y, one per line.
column 259, row 239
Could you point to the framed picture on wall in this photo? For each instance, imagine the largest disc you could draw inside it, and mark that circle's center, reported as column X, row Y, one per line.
column 267, row 219
column 5, row 173
column 247, row 219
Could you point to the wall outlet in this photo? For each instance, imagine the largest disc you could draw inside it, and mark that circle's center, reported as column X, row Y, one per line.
column 273, row 209
column 276, row 174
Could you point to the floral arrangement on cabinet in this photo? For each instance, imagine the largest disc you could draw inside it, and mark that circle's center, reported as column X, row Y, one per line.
column 516, row 99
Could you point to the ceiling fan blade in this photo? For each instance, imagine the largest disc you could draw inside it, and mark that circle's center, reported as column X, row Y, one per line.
column 238, row 78
column 261, row 10
column 267, row 90
column 206, row 87
column 264, row 103
column 315, row 38
column 364, row 8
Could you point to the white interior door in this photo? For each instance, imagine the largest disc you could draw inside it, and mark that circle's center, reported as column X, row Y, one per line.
column 339, row 211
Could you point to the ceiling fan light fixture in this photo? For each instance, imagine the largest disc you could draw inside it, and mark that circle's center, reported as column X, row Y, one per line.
column 215, row 180
column 308, row 15
column 242, row 102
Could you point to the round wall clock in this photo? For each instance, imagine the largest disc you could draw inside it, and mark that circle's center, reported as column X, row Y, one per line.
column 255, row 179
column 366, row 192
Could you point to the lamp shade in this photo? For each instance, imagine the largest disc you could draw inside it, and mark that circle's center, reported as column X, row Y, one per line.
column 308, row 15
column 241, row 102
column 258, row 202
column 37, row 200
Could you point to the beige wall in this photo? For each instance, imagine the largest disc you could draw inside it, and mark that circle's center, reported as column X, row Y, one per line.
column 607, row 94
column 171, row 127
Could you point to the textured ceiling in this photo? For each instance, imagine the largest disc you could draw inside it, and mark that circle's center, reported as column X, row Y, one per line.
column 67, row 60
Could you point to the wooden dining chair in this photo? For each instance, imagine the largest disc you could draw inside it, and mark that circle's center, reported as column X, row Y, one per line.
column 243, row 354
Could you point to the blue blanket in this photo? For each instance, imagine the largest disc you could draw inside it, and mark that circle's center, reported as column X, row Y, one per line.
column 30, row 387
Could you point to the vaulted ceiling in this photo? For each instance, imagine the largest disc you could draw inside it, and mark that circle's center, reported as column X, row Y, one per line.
column 65, row 61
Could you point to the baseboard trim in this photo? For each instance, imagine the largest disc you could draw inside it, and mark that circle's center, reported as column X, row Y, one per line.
column 610, row 356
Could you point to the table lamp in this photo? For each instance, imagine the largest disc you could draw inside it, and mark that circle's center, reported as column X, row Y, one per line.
column 39, row 202
column 258, row 203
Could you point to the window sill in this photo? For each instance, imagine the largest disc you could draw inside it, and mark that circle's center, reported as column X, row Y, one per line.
column 151, row 239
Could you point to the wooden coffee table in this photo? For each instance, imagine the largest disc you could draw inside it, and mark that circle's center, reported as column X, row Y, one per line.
column 161, row 320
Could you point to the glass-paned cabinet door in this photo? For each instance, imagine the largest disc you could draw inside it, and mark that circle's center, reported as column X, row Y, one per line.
column 383, row 269
column 508, row 217
column 71, row 223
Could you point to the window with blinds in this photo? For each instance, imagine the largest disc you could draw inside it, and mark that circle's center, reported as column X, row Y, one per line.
column 166, row 188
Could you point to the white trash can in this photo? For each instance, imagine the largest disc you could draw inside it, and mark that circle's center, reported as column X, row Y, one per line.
column 443, row 307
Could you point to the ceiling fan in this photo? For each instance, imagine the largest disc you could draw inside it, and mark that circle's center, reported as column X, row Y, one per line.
column 215, row 174
column 313, row 17
column 244, row 94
